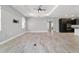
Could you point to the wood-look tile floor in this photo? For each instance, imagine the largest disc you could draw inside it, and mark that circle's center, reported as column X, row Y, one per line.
column 42, row 43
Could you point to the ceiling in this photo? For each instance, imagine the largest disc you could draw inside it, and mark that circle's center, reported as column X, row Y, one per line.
column 51, row 10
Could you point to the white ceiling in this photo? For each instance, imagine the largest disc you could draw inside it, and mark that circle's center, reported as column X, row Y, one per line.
column 66, row 11
column 51, row 10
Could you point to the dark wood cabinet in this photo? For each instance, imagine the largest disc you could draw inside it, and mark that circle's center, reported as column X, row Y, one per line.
column 65, row 24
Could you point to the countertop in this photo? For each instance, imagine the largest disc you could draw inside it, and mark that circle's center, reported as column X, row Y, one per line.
column 75, row 26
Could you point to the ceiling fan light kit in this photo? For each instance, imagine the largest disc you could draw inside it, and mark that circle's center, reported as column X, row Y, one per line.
column 42, row 10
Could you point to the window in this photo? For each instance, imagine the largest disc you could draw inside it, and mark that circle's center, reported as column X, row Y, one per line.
column 0, row 18
column 23, row 22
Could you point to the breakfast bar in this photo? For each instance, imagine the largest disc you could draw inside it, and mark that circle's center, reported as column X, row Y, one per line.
column 76, row 27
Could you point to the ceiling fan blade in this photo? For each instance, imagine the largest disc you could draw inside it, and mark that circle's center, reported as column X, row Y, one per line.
column 44, row 9
column 35, row 8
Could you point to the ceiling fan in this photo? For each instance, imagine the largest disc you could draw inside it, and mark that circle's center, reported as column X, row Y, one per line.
column 40, row 8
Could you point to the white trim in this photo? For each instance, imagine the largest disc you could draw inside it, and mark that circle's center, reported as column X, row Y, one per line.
column 36, row 31
column 52, row 10
column 12, row 38
column 20, row 35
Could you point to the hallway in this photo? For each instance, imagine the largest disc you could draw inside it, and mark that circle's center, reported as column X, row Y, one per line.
column 43, row 42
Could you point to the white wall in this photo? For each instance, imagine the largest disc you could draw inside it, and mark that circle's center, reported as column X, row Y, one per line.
column 10, row 29
column 36, row 25
column 56, row 24
column 41, row 24
column 0, row 18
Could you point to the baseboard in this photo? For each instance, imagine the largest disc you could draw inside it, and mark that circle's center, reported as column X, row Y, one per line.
column 11, row 38
column 36, row 31
column 20, row 35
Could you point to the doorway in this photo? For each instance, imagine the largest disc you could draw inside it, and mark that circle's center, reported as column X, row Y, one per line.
column 50, row 26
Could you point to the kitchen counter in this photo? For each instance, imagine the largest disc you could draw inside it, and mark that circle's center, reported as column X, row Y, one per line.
column 76, row 27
